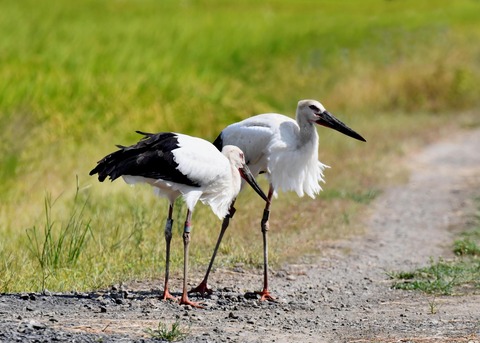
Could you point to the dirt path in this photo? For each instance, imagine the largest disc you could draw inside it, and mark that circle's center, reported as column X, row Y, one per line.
column 336, row 299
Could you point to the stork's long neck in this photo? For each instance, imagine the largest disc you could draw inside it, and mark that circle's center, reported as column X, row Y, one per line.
column 308, row 133
column 224, row 191
column 236, row 180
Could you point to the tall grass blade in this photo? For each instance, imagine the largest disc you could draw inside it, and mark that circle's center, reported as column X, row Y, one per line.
column 59, row 245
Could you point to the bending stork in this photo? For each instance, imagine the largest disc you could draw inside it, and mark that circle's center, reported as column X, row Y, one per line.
column 180, row 165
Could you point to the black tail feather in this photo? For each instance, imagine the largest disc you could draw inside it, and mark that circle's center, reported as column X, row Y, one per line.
column 146, row 134
column 151, row 157
column 111, row 165
column 107, row 166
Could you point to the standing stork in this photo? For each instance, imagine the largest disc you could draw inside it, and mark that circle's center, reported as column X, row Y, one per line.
column 286, row 150
column 180, row 165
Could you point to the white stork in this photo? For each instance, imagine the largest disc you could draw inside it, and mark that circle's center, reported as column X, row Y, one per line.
column 286, row 150
column 180, row 165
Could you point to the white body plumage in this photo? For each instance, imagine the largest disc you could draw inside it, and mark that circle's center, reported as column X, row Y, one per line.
column 215, row 173
column 285, row 149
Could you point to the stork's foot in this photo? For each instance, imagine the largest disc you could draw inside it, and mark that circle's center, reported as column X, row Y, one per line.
column 167, row 295
column 265, row 295
column 202, row 288
column 185, row 301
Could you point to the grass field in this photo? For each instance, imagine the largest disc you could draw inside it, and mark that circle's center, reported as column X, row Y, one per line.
column 79, row 77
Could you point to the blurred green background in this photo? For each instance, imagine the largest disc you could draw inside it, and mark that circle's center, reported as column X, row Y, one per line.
column 78, row 77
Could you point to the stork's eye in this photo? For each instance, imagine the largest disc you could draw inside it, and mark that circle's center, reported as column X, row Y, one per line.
column 314, row 108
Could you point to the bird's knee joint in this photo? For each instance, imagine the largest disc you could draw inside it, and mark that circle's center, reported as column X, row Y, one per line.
column 265, row 226
column 186, row 232
column 266, row 215
column 186, row 237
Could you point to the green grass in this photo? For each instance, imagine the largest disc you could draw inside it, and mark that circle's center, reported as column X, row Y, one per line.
column 56, row 249
column 441, row 277
column 79, row 77
column 467, row 246
column 172, row 334
column 468, row 243
column 446, row 277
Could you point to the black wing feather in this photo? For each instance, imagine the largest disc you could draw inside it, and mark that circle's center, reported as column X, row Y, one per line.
column 151, row 157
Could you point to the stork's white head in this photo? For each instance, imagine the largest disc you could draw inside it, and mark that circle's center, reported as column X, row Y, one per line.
column 312, row 111
column 234, row 155
column 237, row 159
column 309, row 110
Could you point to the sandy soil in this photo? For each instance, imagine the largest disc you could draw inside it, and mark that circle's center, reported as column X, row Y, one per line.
column 339, row 298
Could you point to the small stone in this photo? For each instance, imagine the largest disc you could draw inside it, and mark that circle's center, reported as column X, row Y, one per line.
column 251, row 295
column 36, row 325
column 103, row 309
column 232, row 315
column 238, row 270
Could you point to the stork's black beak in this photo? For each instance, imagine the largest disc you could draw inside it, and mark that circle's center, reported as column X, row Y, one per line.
column 248, row 176
column 328, row 120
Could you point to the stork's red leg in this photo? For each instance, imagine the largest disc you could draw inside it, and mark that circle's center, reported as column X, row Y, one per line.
column 168, row 239
column 186, row 241
column 265, row 294
column 202, row 288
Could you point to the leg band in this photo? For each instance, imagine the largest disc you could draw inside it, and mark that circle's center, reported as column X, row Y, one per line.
column 169, row 224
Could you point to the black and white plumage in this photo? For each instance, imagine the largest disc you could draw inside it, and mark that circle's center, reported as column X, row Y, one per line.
column 286, row 150
column 180, row 165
